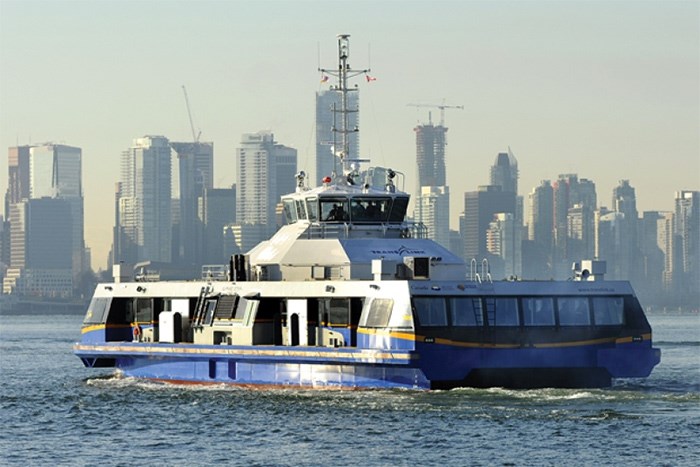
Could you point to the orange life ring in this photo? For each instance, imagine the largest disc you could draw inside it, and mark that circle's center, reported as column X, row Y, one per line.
column 137, row 331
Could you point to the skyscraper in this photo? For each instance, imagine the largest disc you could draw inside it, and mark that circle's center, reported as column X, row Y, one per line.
column 569, row 191
column 44, row 172
column 504, row 172
column 265, row 172
column 540, row 228
column 217, row 208
column 624, row 201
column 328, row 139
column 144, row 202
column 503, row 241
column 479, row 209
column 687, row 228
column 430, row 154
column 196, row 167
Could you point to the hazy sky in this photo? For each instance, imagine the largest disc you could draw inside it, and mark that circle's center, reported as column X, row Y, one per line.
column 607, row 90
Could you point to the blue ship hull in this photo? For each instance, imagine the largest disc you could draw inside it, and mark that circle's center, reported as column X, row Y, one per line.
column 429, row 366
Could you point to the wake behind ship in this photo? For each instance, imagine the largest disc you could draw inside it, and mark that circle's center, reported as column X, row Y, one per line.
column 348, row 294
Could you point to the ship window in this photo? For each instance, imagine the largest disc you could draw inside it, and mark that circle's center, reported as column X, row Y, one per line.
column 312, row 209
column 290, row 213
column 505, row 312
column 335, row 311
column 608, row 311
column 379, row 313
column 573, row 311
column 430, row 311
column 466, row 311
column 97, row 311
column 334, row 209
column 370, row 209
column 144, row 310
column 301, row 210
column 398, row 209
column 240, row 309
column 538, row 311
column 210, row 308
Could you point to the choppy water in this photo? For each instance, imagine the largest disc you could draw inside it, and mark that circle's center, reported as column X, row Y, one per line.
column 55, row 412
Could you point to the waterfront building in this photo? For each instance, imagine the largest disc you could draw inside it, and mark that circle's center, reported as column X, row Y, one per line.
column 41, row 248
column 624, row 200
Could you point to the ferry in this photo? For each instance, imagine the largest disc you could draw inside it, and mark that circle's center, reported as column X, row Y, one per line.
column 349, row 294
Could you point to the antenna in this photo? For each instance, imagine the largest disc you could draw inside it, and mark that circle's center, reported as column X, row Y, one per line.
column 343, row 72
column 195, row 136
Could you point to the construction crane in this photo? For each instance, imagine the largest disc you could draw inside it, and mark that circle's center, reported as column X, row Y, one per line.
column 442, row 108
column 195, row 136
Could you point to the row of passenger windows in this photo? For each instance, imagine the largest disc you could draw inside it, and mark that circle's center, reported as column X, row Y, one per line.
column 341, row 209
column 513, row 311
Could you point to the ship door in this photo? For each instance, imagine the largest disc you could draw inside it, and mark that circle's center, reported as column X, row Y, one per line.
column 297, row 322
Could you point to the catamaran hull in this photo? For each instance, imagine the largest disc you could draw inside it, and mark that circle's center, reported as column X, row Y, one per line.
column 431, row 367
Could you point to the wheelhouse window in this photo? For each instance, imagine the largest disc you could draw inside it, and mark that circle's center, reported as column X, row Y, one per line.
column 301, row 210
column 365, row 209
column 573, row 311
column 97, row 311
column 466, row 311
column 312, row 209
column 608, row 311
column 398, row 209
column 430, row 311
column 379, row 313
column 538, row 311
column 334, row 209
column 290, row 213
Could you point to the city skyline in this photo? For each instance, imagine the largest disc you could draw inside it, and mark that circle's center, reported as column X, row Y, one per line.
column 606, row 91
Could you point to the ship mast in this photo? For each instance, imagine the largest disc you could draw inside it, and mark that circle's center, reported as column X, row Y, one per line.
column 343, row 73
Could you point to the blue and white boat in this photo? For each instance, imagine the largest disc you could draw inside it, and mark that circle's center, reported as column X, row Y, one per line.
column 349, row 294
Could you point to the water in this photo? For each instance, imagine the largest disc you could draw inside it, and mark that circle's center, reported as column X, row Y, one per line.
column 55, row 412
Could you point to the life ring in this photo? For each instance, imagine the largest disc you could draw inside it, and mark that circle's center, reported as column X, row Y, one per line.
column 137, row 332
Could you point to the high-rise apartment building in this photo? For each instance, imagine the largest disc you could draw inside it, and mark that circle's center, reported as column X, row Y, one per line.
column 265, row 172
column 196, row 174
column 328, row 137
column 667, row 242
column 433, row 210
column 687, row 228
column 144, row 203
